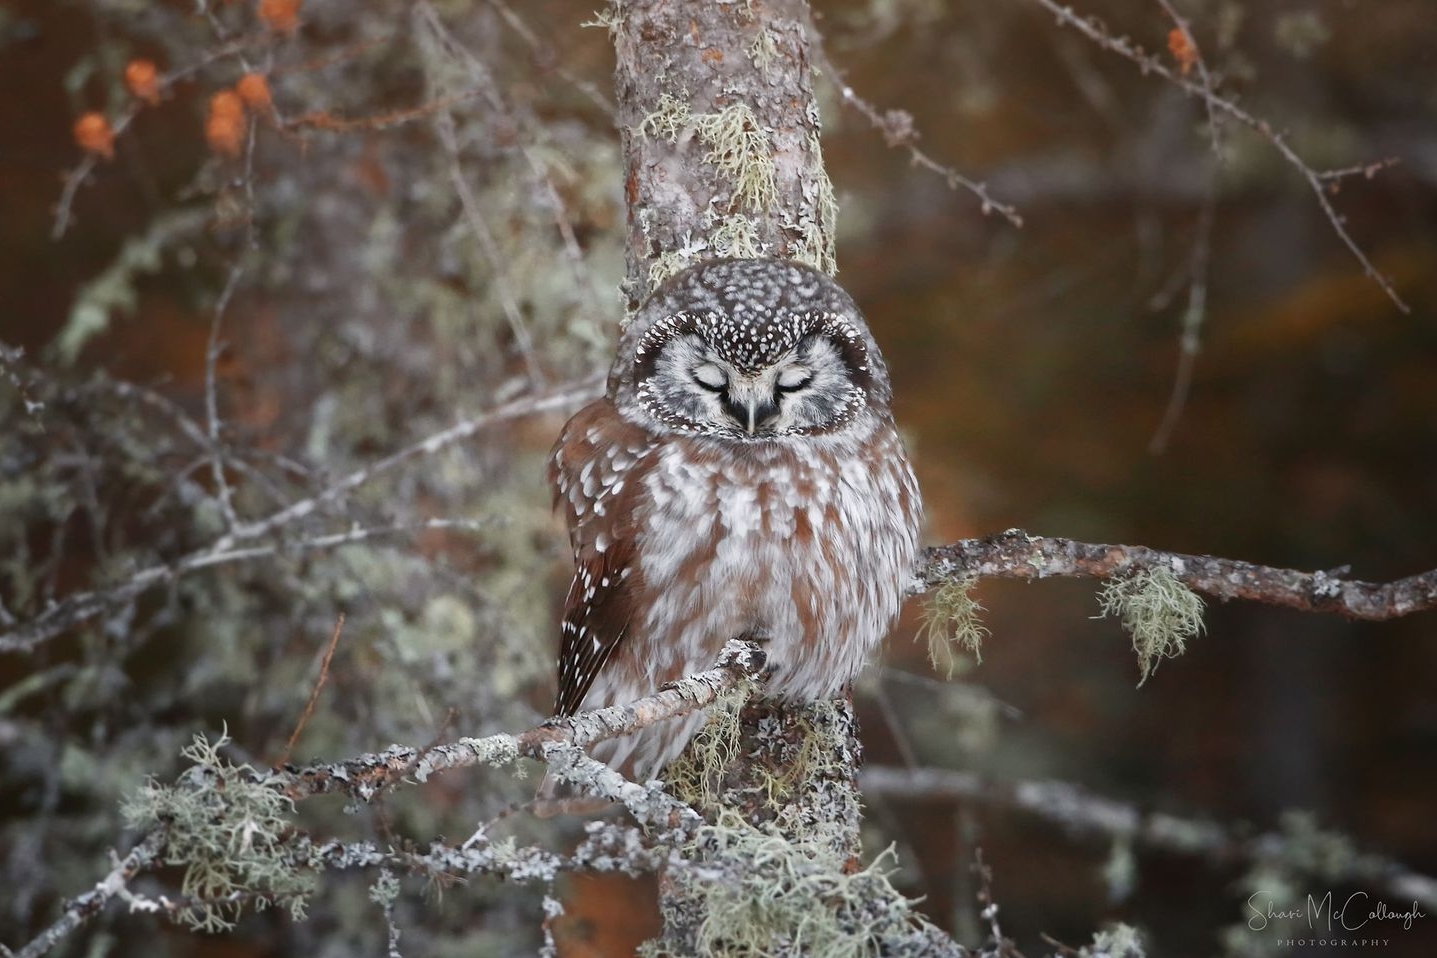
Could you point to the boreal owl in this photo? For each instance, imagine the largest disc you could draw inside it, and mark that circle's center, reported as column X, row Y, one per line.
column 742, row 477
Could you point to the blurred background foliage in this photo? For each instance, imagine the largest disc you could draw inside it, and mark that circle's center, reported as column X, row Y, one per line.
column 377, row 303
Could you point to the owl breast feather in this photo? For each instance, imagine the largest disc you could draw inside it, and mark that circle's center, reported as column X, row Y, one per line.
column 806, row 544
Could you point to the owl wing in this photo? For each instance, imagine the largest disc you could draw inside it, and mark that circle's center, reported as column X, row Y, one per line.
column 596, row 470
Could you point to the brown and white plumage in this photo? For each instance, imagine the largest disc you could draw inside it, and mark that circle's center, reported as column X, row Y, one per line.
column 743, row 476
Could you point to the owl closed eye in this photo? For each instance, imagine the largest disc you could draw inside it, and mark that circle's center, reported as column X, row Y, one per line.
column 809, row 377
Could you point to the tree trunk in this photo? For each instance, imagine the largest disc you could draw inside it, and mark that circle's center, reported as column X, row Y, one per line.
column 720, row 130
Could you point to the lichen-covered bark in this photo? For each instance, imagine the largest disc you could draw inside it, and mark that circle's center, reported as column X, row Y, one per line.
column 1016, row 555
column 721, row 158
column 720, row 136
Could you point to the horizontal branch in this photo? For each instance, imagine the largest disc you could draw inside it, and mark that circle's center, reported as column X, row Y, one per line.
column 1016, row 555
column 366, row 775
column 609, row 848
column 899, row 131
column 560, row 742
column 80, row 607
column 1317, row 181
column 83, row 907
column 1084, row 813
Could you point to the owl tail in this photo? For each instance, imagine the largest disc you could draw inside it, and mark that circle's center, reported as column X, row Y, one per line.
column 638, row 757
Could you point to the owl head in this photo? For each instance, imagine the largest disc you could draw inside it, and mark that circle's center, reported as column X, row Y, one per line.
column 752, row 350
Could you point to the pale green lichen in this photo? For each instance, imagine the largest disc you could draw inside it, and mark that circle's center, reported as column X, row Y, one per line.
column 669, row 118
column 818, row 221
column 763, row 49
column 1115, row 941
column 385, row 888
column 611, row 18
column 737, row 236
column 738, row 146
column 1158, row 611
column 951, row 625
column 709, row 775
column 666, row 266
column 1267, row 882
column 1313, row 851
column 227, row 830
column 696, row 777
column 115, row 289
column 779, row 896
column 740, row 150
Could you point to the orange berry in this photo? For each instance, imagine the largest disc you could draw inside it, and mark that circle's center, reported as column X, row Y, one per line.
column 226, row 125
column 1182, row 49
column 93, row 133
column 282, row 16
column 253, row 89
column 227, row 103
column 142, row 79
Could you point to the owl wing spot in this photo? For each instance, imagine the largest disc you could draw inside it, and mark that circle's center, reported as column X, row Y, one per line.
column 596, row 619
column 596, row 453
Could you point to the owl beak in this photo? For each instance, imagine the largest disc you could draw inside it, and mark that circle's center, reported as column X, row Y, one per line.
column 759, row 413
column 751, row 412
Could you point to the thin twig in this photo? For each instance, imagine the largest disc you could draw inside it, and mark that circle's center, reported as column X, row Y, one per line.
column 80, row 607
column 1196, row 312
column 1214, row 128
column 314, row 692
column 473, row 214
column 328, row 122
column 1016, row 555
column 77, row 176
column 479, row 226
column 366, row 775
column 1064, row 951
column 1097, row 33
column 547, row 60
column 1364, row 170
column 895, row 724
column 1082, row 812
column 212, row 416
column 898, row 131
column 1194, row 316
column 989, row 911
column 83, row 907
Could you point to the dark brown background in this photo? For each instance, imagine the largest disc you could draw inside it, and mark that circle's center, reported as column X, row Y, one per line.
column 1031, row 369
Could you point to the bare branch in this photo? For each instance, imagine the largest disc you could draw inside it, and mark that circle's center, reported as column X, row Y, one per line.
column 83, row 907
column 366, row 775
column 898, row 131
column 1196, row 312
column 1194, row 315
column 212, row 415
column 559, row 742
column 1123, row 47
column 479, row 226
column 1205, row 78
column 82, row 170
column 314, row 693
column 547, row 60
column 1084, row 813
column 1016, row 555
column 82, row 606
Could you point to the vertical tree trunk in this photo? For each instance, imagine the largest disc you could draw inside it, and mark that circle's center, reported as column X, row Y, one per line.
column 720, row 136
column 721, row 157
